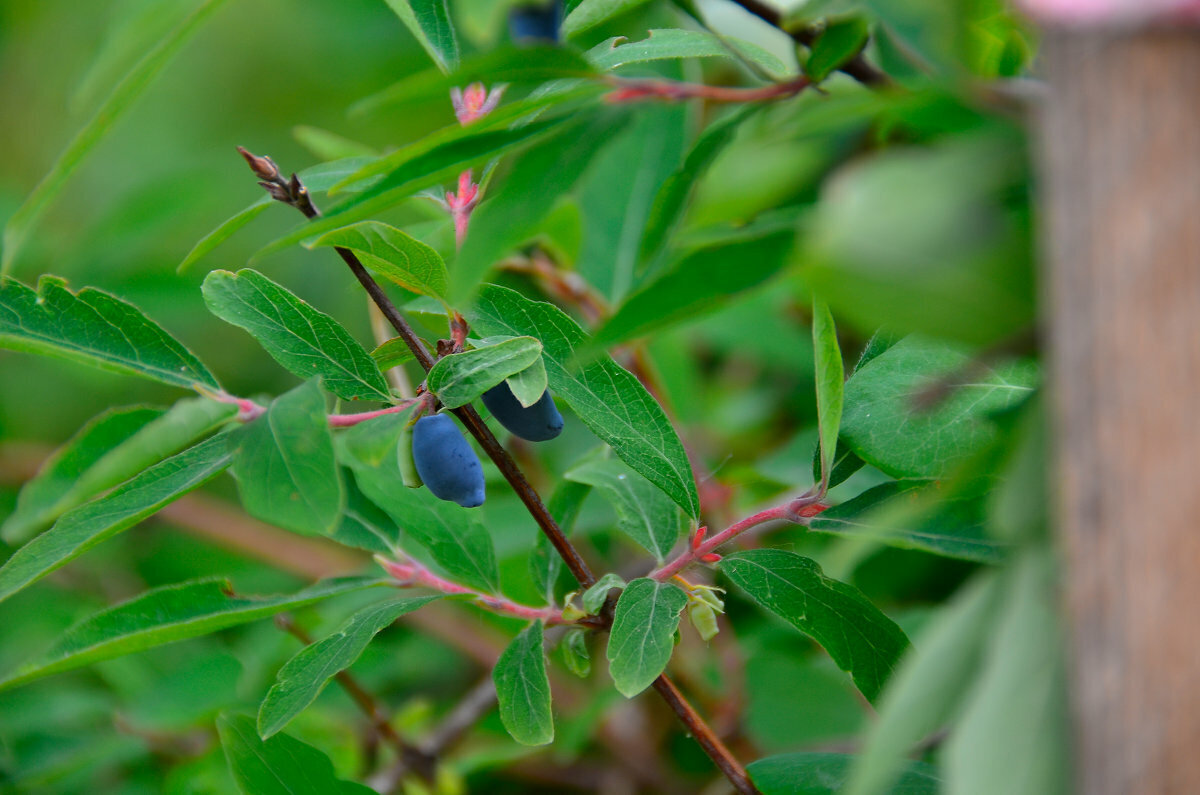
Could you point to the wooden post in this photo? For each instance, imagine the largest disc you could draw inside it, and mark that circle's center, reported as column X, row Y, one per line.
column 1120, row 171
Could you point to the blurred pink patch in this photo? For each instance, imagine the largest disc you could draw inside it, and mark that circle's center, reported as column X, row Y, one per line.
column 1113, row 12
column 475, row 101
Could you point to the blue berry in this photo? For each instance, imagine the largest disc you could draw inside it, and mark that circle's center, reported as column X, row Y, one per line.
column 536, row 423
column 446, row 462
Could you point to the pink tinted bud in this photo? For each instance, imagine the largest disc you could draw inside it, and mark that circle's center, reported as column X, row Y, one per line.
column 475, row 101
column 711, row 557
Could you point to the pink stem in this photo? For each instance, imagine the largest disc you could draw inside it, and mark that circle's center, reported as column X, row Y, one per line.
column 347, row 420
column 249, row 410
column 410, row 573
column 634, row 90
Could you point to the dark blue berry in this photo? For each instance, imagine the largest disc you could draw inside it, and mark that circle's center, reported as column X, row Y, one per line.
column 536, row 423
column 446, row 462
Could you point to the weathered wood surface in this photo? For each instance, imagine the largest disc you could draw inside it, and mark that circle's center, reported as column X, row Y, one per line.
column 1120, row 170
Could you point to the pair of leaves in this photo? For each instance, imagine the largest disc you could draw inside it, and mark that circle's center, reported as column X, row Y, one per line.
column 462, row 377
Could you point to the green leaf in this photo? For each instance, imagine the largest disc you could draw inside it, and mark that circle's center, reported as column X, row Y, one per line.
column 284, row 464
column 913, row 514
column 455, row 537
column 440, row 165
column 594, row 598
column 95, row 328
column 530, row 384
column 523, row 688
column 461, row 377
column 1013, row 735
column 825, row 774
column 513, row 213
column 884, row 427
column 545, row 564
column 281, row 765
column 393, row 254
column 304, row 340
column 364, row 525
column 928, row 689
column 38, row 502
column 303, row 677
column 673, row 43
column 862, row 641
column 845, row 463
column 590, row 13
column 841, row 40
column 371, row 443
column 644, row 512
column 643, row 633
column 429, row 22
column 328, row 145
column 168, row 614
column 392, row 353
column 672, row 198
column 609, row 400
column 575, row 653
column 86, row 526
column 702, row 282
column 831, row 380
column 317, row 179
column 19, row 224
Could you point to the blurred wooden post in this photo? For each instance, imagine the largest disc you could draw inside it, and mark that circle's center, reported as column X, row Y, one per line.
column 1120, row 173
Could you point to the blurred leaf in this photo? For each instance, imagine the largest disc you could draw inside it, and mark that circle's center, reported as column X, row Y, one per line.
column 643, row 633
column 575, row 654
column 328, row 145
column 863, row 641
column 913, row 515
column 594, row 597
column 391, row 253
column 429, row 21
column 303, row 677
column 364, row 525
column 928, row 689
column 530, row 384
column 317, row 179
column 544, row 562
column 1013, row 732
column 609, row 400
column 825, row 774
column 523, row 688
column 671, row 200
column 95, row 328
column 831, row 378
column 168, row 614
column 459, row 378
column 673, row 43
column 841, row 40
column 644, row 512
column 511, row 215
column 304, row 340
column 703, row 281
column 281, row 765
column 39, row 497
column 845, row 463
column 587, row 14
column 885, row 427
column 97, row 521
column 21, row 222
column 371, row 443
column 392, row 353
column 284, row 464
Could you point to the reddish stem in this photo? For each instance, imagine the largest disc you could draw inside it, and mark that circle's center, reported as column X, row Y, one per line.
column 672, row 91
column 410, row 572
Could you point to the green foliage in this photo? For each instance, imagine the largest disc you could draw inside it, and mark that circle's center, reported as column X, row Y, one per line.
column 523, row 688
column 670, row 43
column 462, row 377
column 643, row 633
column 825, row 774
column 429, row 22
column 644, row 513
column 280, row 765
column 393, row 254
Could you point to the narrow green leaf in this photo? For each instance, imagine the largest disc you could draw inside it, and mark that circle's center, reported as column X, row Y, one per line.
column 609, row 400
column 168, row 614
column 281, row 765
column 644, row 512
column 913, row 514
column 306, row 341
column 454, row 537
column 392, row 353
column 885, row 427
column 530, row 384
column 643, row 633
column 512, row 213
column 928, row 689
column 328, row 145
column 826, row 774
column 303, row 677
column 845, row 463
column 284, row 464
column 594, row 598
column 429, row 22
column 38, row 502
column 462, row 377
column 701, row 282
column 590, row 13
column 95, row 328
column 841, row 40
column 545, row 564
column 391, row 253
column 86, row 526
column 523, row 688
column 317, row 179
column 831, row 380
column 17, row 229
column 673, row 43
column 862, row 641
column 672, row 198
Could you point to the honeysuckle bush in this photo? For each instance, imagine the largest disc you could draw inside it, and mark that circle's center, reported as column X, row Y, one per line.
column 772, row 266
